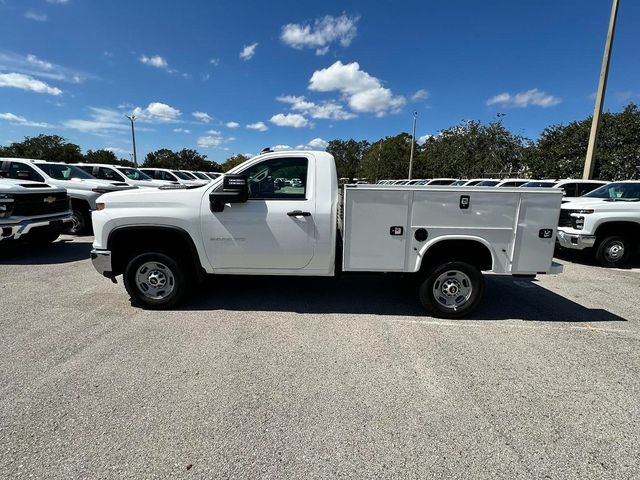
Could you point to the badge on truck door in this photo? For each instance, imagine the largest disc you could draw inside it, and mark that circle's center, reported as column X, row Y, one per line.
column 396, row 230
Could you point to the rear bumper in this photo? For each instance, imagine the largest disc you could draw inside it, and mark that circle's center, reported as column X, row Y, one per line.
column 16, row 230
column 101, row 260
column 575, row 241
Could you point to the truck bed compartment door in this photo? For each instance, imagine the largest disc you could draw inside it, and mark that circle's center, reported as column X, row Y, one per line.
column 375, row 230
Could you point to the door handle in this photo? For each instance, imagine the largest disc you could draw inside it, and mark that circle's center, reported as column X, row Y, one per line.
column 299, row 213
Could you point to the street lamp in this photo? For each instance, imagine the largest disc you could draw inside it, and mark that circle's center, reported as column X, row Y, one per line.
column 132, row 118
column 413, row 140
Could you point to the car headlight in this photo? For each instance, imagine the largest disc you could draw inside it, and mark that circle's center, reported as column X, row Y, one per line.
column 6, row 205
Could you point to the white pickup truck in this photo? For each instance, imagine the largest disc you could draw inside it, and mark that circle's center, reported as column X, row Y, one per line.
column 251, row 222
column 605, row 222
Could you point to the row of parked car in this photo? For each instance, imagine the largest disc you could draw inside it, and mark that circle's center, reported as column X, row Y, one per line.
column 39, row 200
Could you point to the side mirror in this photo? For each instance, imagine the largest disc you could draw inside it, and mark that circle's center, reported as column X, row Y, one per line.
column 234, row 190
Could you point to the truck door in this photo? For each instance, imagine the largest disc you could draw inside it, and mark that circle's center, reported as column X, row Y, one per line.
column 274, row 229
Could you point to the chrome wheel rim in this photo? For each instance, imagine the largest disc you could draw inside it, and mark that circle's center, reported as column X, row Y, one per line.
column 155, row 280
column 452, row 289
column 614, row 251
column 76, row 222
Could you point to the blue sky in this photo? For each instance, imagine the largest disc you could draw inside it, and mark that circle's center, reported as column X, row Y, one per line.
column 230, row 77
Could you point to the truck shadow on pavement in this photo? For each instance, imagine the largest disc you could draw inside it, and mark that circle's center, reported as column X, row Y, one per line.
column 378, row 294
column 61, row 251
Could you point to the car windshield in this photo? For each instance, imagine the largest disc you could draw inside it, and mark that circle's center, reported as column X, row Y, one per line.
column 201, row 175
column 181, row 175
column 133, row 174
column 60, row 171
column 538, row 185
column 458, row 183
column 487, row 183
column 624, row 192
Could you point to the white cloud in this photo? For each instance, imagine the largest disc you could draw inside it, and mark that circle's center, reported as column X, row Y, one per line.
column 32, row 65
column 321, row 34
column 318, row 143
column 248, row 51
column 118, row 150
column 421, row 94
column 157, row 112
column 58, row 2
column 155, row 61
column 260, row 126
column 524, row 99
column 363, row 92
column 294, row 120
column 36, row 16
column 208, row 141
column 423, row 139
column 18, row 120
column 25, row 82
column 181, row 130
column 214, row 61
column 327, row 110
column 232, row 124
column 102, row 121
column 203, row 117
column 213, row 132
column 277, row 148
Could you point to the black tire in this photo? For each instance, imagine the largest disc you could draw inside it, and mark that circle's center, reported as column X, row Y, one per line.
column 80, row 220
column 168, row 268
column 614, row 251
column 454, row 277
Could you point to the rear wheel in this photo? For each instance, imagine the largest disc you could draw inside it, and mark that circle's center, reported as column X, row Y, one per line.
column 452, row 289
column 614, row 251
column 155, row 281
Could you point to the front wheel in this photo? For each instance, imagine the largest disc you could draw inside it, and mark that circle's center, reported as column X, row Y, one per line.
column 452, row 289
column 613, row 251
column 155, row 281
column 80, row 221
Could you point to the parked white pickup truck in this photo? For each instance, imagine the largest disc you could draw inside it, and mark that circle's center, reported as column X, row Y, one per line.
column 252, row 222
column 606, row 221
column 32, row 211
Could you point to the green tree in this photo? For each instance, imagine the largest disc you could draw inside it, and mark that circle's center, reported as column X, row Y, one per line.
column 472, row 149
column 45, row 147
column 185, row 159
column 388, row 158
column 348, row 155
column 561, row 149
column 104, row 156
column 233, row 161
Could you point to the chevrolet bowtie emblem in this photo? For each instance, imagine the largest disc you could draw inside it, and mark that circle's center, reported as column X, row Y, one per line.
column 49, row 199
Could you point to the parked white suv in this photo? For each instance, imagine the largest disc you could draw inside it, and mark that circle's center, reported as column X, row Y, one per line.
column 32, row 211
column 173, row 176
column 118, row 173
column 571, row 188
column 83, row 188
column 606, row 220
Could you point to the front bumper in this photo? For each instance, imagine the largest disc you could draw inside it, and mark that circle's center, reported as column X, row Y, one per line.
column 16, row 230
column 575, row 241
column 101, row 260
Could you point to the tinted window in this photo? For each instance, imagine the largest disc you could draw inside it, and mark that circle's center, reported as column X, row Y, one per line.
column 181, row 175
column 279, row 178
column 586, row 188
column 441, row 182
column 105, row 173
column 538, row 184
column 134, row 174
column 515, row 183
column 20, row 171
column 86, row 168
column 60, row 171
column 569, row 189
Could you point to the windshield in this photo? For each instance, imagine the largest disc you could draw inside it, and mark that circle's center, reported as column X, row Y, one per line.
column 487, row 183
column 459, row 183
column 538, row 185
column 60, row 171
column 133, row 174
column 201, row 176
column 181, row 175
column 624, row 192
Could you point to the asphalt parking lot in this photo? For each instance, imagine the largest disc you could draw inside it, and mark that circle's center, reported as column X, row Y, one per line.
column 315, row 378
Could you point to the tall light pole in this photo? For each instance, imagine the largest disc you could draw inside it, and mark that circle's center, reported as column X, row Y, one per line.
column 413, row 141
column 132, row 118
column 589, row 163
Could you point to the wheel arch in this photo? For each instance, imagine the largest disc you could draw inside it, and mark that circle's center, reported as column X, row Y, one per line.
column 467, row 248
column 127, row 241
column 619, row 227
